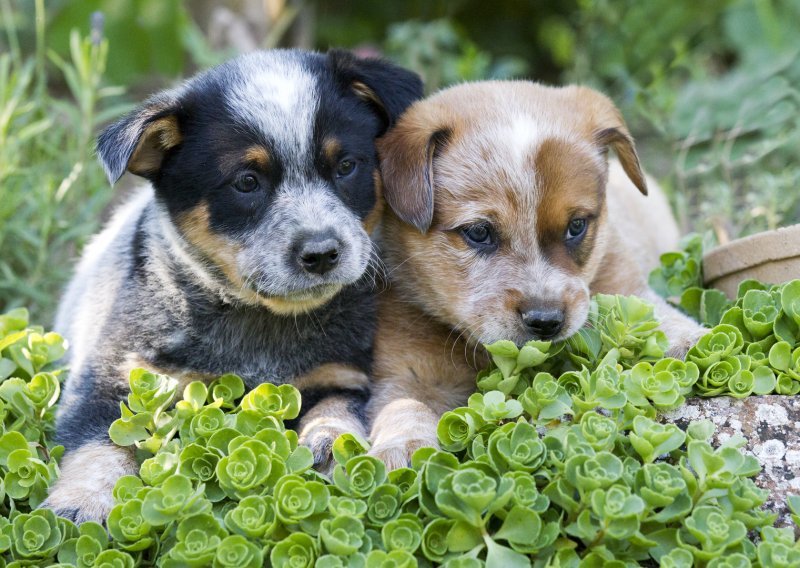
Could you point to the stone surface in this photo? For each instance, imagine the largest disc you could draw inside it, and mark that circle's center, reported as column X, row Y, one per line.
column 771, row 425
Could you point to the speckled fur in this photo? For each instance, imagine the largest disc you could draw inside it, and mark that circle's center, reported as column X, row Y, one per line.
column 195, row 278
column 525, row 158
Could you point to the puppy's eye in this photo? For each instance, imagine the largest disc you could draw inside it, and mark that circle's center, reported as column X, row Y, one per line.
column 576, row 229
column 345, row 168
column 480, row 236
column 246, row 183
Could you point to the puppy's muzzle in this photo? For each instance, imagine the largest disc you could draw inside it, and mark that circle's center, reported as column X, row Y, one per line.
column 544, row 323
column 318, row 253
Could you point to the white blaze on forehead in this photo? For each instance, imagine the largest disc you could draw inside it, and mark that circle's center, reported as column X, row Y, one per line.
column 520, row 134
column 277, row 95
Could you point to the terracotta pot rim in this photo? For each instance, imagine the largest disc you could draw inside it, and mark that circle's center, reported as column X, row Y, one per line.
column 752, row 251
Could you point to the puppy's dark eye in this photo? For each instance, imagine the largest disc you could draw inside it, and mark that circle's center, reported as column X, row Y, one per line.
column 480, row 236
column 246, row 183
column 576, row 229
column 345, row 168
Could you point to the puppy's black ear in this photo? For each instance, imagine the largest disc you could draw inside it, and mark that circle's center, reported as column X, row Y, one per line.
column 389, row 88
column 138, row 141
column 408, row 152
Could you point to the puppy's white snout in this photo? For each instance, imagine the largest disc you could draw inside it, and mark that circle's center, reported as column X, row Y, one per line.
column 319, row 253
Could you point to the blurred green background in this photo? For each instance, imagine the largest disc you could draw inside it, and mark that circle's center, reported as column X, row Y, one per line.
column 710, row 88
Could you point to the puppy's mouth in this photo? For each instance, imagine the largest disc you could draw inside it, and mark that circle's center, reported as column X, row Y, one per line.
column 300, row 301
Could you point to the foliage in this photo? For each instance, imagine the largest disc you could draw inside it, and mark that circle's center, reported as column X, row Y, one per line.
column 719, row 83
column 442, row 57
column 557, row 460
column 52, row 189
column 29, row 389
column 754, row 344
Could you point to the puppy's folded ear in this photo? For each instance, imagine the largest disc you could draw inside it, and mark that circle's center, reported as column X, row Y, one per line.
column 407, row 155
column 611, row 131
column 138, row 141
column 387, row 87
column 622, row 142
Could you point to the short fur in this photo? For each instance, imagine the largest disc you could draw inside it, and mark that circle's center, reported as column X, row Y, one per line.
column 527, row 159
column 198, row 275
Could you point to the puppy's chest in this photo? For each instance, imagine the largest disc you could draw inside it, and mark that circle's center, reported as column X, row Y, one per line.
column 266, row 349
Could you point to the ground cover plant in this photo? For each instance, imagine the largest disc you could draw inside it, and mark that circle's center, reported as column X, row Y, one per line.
column 557, row 460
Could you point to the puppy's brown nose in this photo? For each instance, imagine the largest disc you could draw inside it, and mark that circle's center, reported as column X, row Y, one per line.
column 544, row 323
column 319, row 253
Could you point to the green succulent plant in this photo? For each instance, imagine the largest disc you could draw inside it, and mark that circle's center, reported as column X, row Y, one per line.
column 360, row 476
column 403, row 533
column 297, row 499
column 722, row 342
column 253, row 517
column 36, row 536
column 128, row 528
column 341, row 536
column 516, row 447
column 559, row 459
column 198, row 538
column 297, row 550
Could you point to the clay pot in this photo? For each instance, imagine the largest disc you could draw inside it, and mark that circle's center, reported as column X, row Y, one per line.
column 772, row 257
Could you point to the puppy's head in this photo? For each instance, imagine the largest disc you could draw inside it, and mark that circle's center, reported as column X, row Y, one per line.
column 497, row 195
column 265, row 169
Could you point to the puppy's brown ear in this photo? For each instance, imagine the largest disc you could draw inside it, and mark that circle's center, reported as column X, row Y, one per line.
column 622, row 142
column 139, row 141
column 407, row 154
column 610, row 131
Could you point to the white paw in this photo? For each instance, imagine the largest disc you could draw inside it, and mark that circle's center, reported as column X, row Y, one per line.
column 397, row 451
column 80, row 506
column 683, row 338
column 319, row 440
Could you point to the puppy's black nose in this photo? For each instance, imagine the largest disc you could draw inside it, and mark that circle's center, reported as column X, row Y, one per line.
column 543, row 323
column 319, row 253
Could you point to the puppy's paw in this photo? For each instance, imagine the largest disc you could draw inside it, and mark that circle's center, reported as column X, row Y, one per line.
column 80, row 507
column 319, row 440
column 683, row 338
column 84, row 491
column 397, row 452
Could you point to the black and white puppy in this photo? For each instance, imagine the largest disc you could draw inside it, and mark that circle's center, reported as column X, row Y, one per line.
column 249, row 254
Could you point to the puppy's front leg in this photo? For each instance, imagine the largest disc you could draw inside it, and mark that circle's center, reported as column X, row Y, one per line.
column 401, row 425
column 406, row 405
column 419, row 373
column 83, row 492
column 92, row 463
column 335, row 396
column 681, row 330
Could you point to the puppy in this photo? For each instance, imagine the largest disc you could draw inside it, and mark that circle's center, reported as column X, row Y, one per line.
column 504, row 219
column 249, row 254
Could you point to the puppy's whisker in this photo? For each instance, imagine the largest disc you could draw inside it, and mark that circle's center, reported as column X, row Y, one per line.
column 380, row 268
column 461, row 333
column 378, row 272
column 413, row 256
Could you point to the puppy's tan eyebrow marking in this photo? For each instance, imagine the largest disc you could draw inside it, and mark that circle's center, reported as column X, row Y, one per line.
column 331, row 147
column 258, row 156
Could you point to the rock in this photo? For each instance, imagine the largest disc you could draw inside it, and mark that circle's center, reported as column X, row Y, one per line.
column 771, row 425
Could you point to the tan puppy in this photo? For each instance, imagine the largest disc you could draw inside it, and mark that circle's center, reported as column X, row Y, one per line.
column 505, row 217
